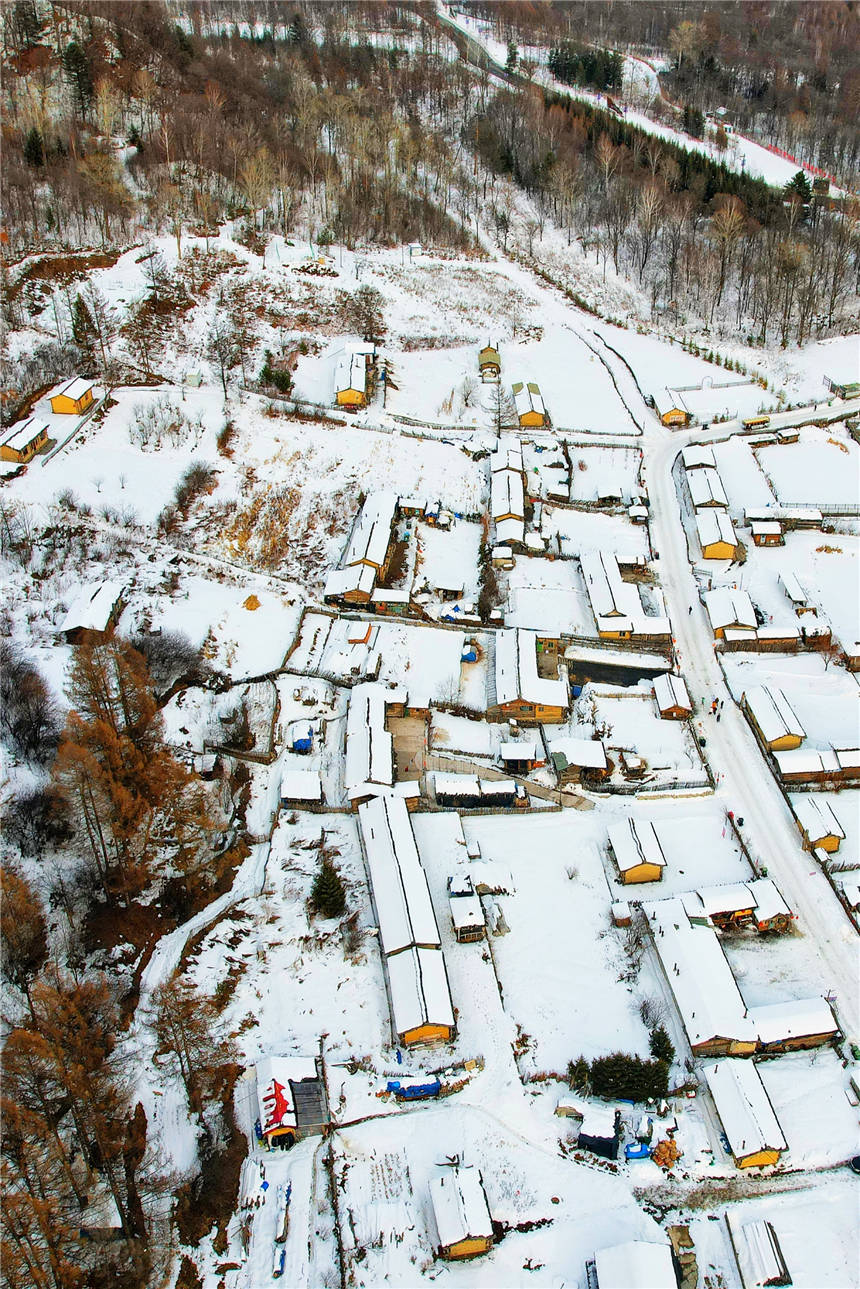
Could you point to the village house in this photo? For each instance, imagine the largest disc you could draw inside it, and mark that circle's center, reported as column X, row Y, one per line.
column 745, row 1111
column 616, row 604
column 521, row 757
column 772, row 717
column 800, row 765
column 22, row 442
column 794, row 1026
column 717, row 536
column 291, row 1100
column 516, row 688
column 467, row 914
column 669, row 408
column 634, row 1265
column 705, row 488
column 301, row 789
column 464, row 1228
column 420, row 998
column 529, row 404
column 729, row 609
column 767, row 532
column 353, row 376
column 507, row 507
column 74, row 397
column 578, row 760
column 93, row 614
column 698, row 456
column 819, row 827
column 369, row 761
column 672, row 698
column 489, row 363
column 636, row 849
column 791, row 517
column 757, row 903
column 367, row 552
column 757, row 1250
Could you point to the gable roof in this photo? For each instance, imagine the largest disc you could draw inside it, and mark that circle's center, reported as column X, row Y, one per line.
column 744, row 1107
column 460, row 1206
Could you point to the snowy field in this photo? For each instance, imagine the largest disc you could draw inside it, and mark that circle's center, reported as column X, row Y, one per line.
column 824, row 700
column 548, row 595
column 598, row 472
column 579, row 530
column 821, row 469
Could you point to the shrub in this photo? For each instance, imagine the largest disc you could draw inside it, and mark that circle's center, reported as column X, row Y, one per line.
column 661, row 1046
column 629, row 1077
column 328, row 897
column 35, row 819
column 579, row 1074
column 197, row 479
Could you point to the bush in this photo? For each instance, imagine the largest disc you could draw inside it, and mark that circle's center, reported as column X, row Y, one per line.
column 197, row 479
column 328, row 897
column 169, row 655
column 629, row 1077
column 35, row 819
column 277, row 376
column 28, row 715
column 579, row 1075
column 661, row 1046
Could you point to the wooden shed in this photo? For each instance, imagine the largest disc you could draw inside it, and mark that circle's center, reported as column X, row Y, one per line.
column 461, row 1213
column 767, row 532
column 94, row 614
column 773, row 718
column 529, row 404
column 23, row 441
column 636, row 849
column 818, row 825
column 745, row 1111
column 673, row 700
column 717, row 535
column 74, row 397
column 668, row 407
column 489, row 363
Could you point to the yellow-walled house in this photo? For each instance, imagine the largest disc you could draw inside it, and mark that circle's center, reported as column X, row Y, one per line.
column 22, row 442
column 637, row 852
column 717, row 535
column 773, row 718
column 529, row 404
column 745, row 1111
column 74, row 397
column 818, row 825
column 463, row 1223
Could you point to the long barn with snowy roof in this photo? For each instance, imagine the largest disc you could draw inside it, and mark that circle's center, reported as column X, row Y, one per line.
column 749, row 1120
column 464, row 1227
column 517, row 688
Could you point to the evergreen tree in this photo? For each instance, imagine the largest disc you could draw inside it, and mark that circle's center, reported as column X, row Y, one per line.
column 512, row 58
column 661, row 1046
column 77, row 69
column 298, row 32
column 83, row 328
column 328, row 897
column 34, row 149
column 799, row 186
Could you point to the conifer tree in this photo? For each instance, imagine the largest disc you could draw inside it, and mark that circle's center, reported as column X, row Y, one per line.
column 328, row 897
column 34, row 149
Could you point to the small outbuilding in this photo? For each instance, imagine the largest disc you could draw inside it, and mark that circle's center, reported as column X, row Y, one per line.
column 635, row 1265
column 22, row 442
column 667, row 405
column 578, row 760
column 93, row 614
column 818, row 825
column 717, row 536
column 729, row 609
column 758, row 1253
column 74, row 397
column 773, row 718
column 489, row 363
column 291, row 1100
column 636, row 850
column 467, row 915
column 745, row 1111
column 463, row 1224
column 672, row 698
column 301, row 789
column 767, row 533
column 301, row 737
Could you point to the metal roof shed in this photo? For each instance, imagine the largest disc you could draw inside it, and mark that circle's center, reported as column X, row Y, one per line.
column 748, row 1118
column 461, row 1212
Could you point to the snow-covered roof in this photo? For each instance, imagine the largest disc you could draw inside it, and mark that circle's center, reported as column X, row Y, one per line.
column 766, row 528
column 506, row 495
column 670, row 691
column 527, row 398
column 466, row 912
column 728, row 607
column 799, row 514
column 369, row 746
column 351, row 368
column 301, row 785
column 456, row 785
column 799, row 1018
column 510, row 530
column 400, row 891
column 92, row 608
column 520, row 751
column 609, row 594
column 274, row 1097
column 760, row 895
column 517, row 676
column 21, row 435
column 800, row 762
column 706, row 488
column 816, row 818
column 772, row 713
column 792, row 587
column 460, row 1206
column 497, row 787
column 507, row 456
column 635, row 1265
column 714, row 525
column 697, row 456
column 368, row 542
column 666, row 400
column 768, row 900
column 358, row 577
column 587, row 752
column 420, row 994
column 74, row 389
column 744, row 1107
column 704, row 988
column 635, row 842
column 758, row 1253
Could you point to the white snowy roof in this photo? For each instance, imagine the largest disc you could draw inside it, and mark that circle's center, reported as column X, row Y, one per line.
column 635, row 1265
column 497, row 787
column 704, row 988
column 369, row 539
column 92, row 607
column 20, row 435
column 635, row 842
column 816, row 818
column 670, row 691
column 456, row 785
column 586, row 752
column 792, row 588
column 522, row 751
column 714, row 525
column 274, row 1096
column 400, row 891
column 768, row 900
column 666, row 400
column 350, row 373
column 706, row 488
column 369, row 746
column 517, row 674
column 510, row 530
column 466, row 911
column 74, row 388
column 420, row 994
column 758, row 1253
column 506, row 494
column 527, row 397
column 766, row 528
column 507, row 456
column 358, row 577
column 460, row 1206
column 772, row 713
column 799, row 762
column 697, row 455
column 744, row 1107
column 609, row 594
column 301, row 785
column 800, row 1018
column 729, row 607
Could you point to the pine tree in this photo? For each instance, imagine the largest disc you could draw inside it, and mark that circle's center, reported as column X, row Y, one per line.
column 661, row 1046
column 83, row 328
column 34, row 149
column 77, row 69
column 512, row 58
column 328, row 897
